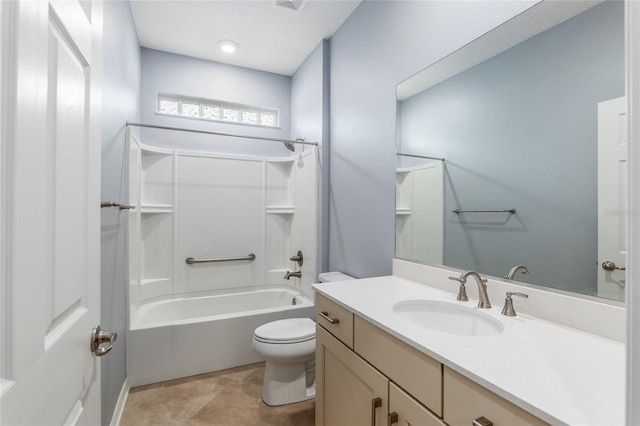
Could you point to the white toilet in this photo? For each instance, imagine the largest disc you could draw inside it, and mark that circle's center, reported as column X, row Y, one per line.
column 288, row 347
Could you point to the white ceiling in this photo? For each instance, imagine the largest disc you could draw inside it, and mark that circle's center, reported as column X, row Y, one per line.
column 271, row 38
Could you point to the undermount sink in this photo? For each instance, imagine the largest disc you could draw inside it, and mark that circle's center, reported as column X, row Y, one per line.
column 448, row 318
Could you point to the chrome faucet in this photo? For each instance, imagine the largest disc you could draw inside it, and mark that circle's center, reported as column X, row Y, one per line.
column 482, row 288
column 515, row 269
column 290, row 274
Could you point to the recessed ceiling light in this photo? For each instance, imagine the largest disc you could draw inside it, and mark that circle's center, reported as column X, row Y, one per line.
column 228, row 46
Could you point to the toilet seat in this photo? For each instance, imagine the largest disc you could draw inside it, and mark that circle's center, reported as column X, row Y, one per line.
column 286, row 331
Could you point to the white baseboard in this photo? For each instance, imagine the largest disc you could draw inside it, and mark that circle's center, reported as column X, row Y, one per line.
column 119, row 408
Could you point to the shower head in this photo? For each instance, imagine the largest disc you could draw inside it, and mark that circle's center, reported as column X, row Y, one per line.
column 290, row 145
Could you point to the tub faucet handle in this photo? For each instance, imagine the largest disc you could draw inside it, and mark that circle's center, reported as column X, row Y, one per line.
column 297, row 258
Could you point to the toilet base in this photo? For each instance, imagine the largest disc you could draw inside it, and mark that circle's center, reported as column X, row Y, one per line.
column 288, row 383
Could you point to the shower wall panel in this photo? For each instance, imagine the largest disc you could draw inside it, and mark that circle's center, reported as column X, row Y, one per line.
column 219, row 214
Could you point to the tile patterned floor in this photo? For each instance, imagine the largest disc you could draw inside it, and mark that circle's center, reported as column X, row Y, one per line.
column 229, row 397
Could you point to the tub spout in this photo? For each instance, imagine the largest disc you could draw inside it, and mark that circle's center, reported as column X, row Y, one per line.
column 290, row 274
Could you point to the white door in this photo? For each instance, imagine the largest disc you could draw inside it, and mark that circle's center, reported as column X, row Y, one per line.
column 50, row 218
column 612, row 199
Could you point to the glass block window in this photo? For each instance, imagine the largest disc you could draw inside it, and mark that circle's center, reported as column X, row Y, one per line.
column 230, row 114
column 191, row 109
column 250, row 117
column 211, row 112
column 268, row 119
column 168, row 106
column 209, row 109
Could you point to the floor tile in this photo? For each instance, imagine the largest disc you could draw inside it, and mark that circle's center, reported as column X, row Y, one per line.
column 225, row 398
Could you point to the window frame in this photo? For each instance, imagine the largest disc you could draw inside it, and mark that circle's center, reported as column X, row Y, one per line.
column 221, row 105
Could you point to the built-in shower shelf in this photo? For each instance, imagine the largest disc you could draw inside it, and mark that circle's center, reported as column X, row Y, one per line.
column 403, row 211
column 280, row 209
column 153, row 281
column 156, row 208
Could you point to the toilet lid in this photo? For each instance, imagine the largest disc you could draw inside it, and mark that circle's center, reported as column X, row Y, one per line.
column 289, row 330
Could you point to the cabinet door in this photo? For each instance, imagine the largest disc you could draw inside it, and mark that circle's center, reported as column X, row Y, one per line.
column 414, row 371
column 465, row 401
column 408, row 410
column 347, row 388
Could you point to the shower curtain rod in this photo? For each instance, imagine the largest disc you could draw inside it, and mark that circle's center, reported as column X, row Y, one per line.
column 420, row 156
column 182, row 129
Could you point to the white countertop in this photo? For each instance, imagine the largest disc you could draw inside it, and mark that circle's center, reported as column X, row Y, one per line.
column 562, row 375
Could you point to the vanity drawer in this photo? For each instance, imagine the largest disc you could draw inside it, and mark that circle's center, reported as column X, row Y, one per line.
column 465, row 401
column 415, row 372
column 335, row 319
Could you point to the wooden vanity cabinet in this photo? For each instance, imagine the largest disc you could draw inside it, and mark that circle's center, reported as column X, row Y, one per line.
column 364, row 375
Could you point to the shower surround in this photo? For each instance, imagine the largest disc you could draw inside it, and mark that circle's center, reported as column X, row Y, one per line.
column 187, row 319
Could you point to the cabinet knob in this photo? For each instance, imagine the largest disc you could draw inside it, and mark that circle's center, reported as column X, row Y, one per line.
column 482, row 421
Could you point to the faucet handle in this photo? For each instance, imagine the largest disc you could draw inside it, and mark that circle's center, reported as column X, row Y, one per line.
column 462, row 291
column 297, row 258
column 508, row 309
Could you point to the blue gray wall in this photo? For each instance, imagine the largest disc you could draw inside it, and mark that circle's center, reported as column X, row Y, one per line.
column 120, row 102
column 181, row 75
column 310, row 119
column 520, row 131
column 381, row 44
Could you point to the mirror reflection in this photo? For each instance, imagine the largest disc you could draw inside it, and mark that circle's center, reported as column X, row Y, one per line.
column 533, row 162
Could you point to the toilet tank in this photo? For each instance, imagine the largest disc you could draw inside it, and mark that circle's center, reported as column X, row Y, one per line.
column 327, row 277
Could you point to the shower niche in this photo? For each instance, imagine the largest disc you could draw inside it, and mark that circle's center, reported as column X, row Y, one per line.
column 210, row 206
column 420, row 212
column 151, row 223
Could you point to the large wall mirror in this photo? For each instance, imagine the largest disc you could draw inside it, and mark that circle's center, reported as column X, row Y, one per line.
column 512, row 151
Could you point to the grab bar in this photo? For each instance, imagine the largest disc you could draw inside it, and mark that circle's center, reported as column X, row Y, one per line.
column 191, row 260
column 456, row 211
column 112, row 204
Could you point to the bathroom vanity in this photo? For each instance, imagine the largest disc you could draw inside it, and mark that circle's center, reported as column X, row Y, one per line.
column 380, row 361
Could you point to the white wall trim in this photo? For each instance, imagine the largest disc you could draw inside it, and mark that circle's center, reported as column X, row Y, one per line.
column 119, row 408
column 632, row 43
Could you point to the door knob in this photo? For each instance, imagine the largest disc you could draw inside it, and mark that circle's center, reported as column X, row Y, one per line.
column 608, row 265
column 102, row 341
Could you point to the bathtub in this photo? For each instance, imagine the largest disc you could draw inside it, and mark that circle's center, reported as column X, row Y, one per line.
column 173, row 338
